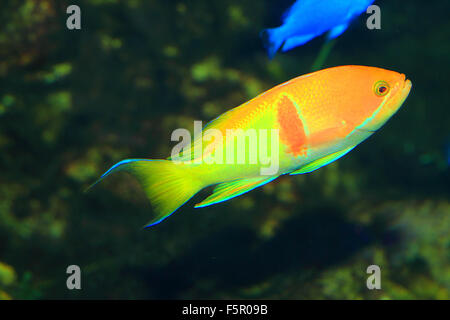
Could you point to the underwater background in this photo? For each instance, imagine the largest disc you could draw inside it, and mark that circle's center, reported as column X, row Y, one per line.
column 74, row 102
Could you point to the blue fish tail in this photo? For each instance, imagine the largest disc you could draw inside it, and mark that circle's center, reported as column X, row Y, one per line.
column 272, row 41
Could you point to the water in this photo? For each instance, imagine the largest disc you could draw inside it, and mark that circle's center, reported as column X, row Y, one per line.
column 74, row 102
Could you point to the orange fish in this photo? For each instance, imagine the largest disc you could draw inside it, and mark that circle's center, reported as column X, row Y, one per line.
column 293, row 128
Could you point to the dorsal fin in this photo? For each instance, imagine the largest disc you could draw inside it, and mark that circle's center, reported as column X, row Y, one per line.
column 232, row 119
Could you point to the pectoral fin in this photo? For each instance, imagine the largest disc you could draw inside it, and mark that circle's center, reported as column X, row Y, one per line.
column 337, row 31
column 322, row 161
column 228, row 190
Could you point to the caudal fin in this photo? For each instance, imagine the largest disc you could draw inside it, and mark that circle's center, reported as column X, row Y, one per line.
column 167, row 185
column 272, row 40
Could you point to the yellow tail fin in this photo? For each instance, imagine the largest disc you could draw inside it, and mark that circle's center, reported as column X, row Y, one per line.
column 167, row 185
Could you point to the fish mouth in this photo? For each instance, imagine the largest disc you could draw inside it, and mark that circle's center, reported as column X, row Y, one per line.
column 404, row 89
column 407, row 86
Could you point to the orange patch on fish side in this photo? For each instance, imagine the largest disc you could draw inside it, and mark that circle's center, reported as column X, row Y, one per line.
column 292, row 131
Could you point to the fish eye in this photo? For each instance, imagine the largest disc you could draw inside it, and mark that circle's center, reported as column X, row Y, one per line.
column 381, row 88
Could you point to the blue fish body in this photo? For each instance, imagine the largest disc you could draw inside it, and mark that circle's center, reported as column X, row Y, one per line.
column 307, row 19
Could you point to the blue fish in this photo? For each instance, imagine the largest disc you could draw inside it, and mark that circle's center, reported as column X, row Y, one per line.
column 307, row 19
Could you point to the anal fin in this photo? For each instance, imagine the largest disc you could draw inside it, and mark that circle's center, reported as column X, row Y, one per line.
column 228, row 190
column 322, row 161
